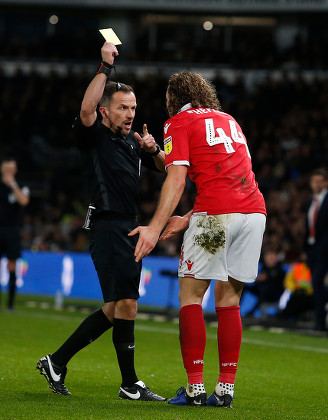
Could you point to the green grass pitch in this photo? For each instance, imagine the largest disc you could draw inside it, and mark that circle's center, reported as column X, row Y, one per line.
column 280, row 375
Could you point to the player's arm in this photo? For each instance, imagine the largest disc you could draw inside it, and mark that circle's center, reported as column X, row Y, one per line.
column 95, row 90
column 172, row 190
column 22, row 194
column 176, row 224
column 22, row 198
column 160, row 161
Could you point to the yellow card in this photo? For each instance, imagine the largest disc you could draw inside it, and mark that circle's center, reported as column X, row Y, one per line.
column 110, row 36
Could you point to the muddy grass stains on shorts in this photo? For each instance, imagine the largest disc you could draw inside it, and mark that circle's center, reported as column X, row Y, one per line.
column 213, row 236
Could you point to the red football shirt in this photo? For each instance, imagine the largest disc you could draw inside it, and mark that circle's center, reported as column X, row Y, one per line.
column 212, row 145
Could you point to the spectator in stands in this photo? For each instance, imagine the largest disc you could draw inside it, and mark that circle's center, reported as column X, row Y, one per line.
column 269, row 284
column 298, row 295
column 317, row 243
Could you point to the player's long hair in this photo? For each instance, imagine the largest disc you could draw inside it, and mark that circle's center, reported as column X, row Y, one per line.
column 190, row 87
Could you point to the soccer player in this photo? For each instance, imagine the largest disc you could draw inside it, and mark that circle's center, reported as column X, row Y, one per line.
column 225, row 228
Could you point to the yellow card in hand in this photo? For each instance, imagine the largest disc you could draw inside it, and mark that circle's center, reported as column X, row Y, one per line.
column 110, row 36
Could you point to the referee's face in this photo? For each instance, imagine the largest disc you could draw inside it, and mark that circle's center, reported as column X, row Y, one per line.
column 121, row 112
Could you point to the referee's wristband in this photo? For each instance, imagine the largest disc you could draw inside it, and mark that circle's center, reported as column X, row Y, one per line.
column 104, row 68
column 158, row 149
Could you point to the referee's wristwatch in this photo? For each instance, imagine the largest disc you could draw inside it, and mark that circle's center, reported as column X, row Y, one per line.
column 104, row 68
column 158, row 149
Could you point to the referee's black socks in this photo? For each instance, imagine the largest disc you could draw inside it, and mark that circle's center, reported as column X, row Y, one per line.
column 89, row 330
column 12, row 289
column 123, row 340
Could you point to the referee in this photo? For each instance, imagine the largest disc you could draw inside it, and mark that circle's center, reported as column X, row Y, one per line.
column 12, row 200
column 114, row 156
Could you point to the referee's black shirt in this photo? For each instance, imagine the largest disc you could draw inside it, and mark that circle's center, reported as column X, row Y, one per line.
column 11, row 213
column 113, row 164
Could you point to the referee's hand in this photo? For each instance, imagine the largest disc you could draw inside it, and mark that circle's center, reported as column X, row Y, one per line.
column 109, row 52
column 148, row 238
column 147, row 141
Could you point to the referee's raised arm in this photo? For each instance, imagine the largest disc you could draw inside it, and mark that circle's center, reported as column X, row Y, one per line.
column 113, row 159
column 95, row 90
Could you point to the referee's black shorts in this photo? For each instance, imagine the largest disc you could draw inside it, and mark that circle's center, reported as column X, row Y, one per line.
column 112, row 252
column 10, row 242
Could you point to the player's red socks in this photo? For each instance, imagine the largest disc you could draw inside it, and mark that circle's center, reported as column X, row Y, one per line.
column 193, row 341
column 229, row 341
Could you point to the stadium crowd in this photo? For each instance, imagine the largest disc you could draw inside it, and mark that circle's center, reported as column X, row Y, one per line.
column 284, row 121
column 283, row 117
column 245, row 48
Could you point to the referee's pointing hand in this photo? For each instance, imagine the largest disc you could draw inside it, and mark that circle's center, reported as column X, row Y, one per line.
column 147, row 141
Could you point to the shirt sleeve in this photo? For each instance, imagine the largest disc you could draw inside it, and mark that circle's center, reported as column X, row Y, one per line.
column 148, row 161
column 176, row 144
column 84, row 137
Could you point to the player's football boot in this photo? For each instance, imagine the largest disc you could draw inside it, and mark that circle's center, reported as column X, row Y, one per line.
column 183, row 398
column 220, row 401
column 139, row 392
column 55, row 375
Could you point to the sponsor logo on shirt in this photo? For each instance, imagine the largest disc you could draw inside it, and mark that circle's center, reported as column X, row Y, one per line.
column 168, row 145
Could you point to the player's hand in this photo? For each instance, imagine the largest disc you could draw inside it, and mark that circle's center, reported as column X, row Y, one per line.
column 148, row 238
column 147, row 141
column 109, row 52
column 174, row 225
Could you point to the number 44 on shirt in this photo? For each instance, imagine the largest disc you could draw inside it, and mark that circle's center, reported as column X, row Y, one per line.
column 222, row 137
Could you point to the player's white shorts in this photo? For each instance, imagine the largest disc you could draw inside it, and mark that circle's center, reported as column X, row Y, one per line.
column 215, row 247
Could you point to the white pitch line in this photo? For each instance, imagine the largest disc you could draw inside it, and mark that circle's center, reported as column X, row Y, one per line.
column 175, row 331
column 244, row 340
column 282, row 345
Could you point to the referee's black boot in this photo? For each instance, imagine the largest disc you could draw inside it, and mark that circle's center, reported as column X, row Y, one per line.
column 139, row 392
column 55, row 375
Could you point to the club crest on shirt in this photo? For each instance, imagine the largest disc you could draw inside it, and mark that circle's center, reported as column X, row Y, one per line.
column 168, row 145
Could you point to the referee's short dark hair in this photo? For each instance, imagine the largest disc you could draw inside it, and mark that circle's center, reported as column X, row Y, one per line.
column 111, row 88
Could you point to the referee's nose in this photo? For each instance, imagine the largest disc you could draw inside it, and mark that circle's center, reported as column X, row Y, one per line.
column 130, row 114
